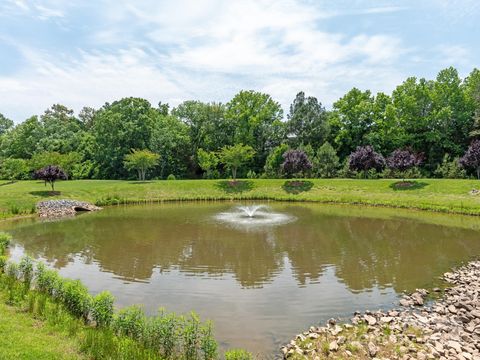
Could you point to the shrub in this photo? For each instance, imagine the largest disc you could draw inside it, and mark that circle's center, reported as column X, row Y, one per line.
column 76, row 298
column 4, row 242
column 274, row 161
column 208, row 344
column 191, row 337
column 102, row 309
column 171, row 177
column 161, row 333
column 471, row 158
column 12, row 271
column 450, row 169
column 130, row 322
column 326, row 163
column 3, row 263
column 14, row 169
column 238, row 354
column 251, row 174
column 48, row 281
column 26, row 271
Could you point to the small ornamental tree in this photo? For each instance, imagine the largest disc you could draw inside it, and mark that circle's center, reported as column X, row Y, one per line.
column 402, row 160
column 471, row 159
column 364, row 159
column 235, row 156
column 208, row 161
column 141, row 161
column 49, row 174
column 295, row 163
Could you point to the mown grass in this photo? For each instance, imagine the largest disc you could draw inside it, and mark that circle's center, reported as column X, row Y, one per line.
column 442, row 195
column 24, row 337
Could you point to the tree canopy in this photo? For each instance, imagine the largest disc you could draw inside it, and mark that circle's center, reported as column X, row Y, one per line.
column 438, row 118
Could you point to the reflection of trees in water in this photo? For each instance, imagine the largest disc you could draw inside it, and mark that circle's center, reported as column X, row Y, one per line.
column 373, row 252
column 365, row 252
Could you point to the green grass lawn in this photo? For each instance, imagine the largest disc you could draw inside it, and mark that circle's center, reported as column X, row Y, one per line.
column 23, row 337
column 443, row 195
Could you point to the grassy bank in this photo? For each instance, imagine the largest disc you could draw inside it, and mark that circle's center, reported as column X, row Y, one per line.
column 24, row 337
column 443, row 195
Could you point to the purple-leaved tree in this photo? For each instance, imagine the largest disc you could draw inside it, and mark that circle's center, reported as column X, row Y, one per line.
column 364, row 158
column 402, row 160
column 50, row 174
column 295, row 163
column 471, row 159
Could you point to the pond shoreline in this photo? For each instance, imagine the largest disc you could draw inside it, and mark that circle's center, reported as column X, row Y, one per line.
column 447, row 328
column 436, row 195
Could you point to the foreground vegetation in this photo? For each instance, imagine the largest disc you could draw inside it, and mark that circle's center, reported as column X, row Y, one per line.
column 41, row 303
column 443, row 195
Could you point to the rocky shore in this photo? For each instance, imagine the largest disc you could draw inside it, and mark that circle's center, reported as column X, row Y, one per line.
column 62, row 208
column 448, row 328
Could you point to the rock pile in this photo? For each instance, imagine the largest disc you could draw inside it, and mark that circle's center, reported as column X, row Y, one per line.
column 61, row 208
column 448, row 328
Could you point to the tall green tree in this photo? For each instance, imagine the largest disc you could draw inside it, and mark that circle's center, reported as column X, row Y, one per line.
column 472, row 92
column 208, row 128
column 208, row 161
column 118, row 127
column 22, row 141
column 257, row 122
column 170, row 137
column 5, row 124
column 62, row 130
column 351, row 120
column 307, row 121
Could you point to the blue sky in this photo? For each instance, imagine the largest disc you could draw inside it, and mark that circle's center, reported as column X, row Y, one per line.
column 85, row 53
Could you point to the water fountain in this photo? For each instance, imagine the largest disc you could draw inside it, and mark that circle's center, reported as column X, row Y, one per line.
column 253, row 216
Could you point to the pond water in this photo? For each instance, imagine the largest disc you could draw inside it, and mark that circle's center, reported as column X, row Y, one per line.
column 261, row 282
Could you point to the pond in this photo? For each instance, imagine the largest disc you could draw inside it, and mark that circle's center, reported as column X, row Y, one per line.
column 261, row 279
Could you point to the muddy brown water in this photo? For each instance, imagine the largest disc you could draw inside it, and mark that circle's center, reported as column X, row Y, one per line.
column 261, row 284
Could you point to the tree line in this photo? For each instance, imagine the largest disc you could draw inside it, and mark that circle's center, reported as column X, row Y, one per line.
column 435, row 121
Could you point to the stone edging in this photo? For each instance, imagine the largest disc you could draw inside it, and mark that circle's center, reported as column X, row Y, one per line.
column 62, row 208
column 448, row 328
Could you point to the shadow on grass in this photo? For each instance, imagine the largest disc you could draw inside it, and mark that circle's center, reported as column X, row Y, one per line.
column 297, row 186
column 407, row 185
column 8, row 183
column 235, row 187
column 44, row 193
column 138, row 182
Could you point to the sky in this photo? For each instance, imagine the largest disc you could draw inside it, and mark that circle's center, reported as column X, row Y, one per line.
column 85, row 53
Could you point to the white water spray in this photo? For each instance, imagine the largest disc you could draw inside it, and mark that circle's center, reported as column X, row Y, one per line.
column 253, row 217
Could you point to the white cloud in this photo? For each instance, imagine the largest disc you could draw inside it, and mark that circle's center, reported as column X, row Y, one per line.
column 207, row 50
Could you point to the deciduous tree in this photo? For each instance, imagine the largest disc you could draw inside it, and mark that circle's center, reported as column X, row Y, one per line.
column 141, row 161
column 296, row 163
column 471, row 158
column 364, row 158
column 235, row 156
column 50, row 174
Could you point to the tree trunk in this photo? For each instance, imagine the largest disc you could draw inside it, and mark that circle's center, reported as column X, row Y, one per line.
column 52, row 184
column 139, row 175
column 478, row 173
column 234, row 173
